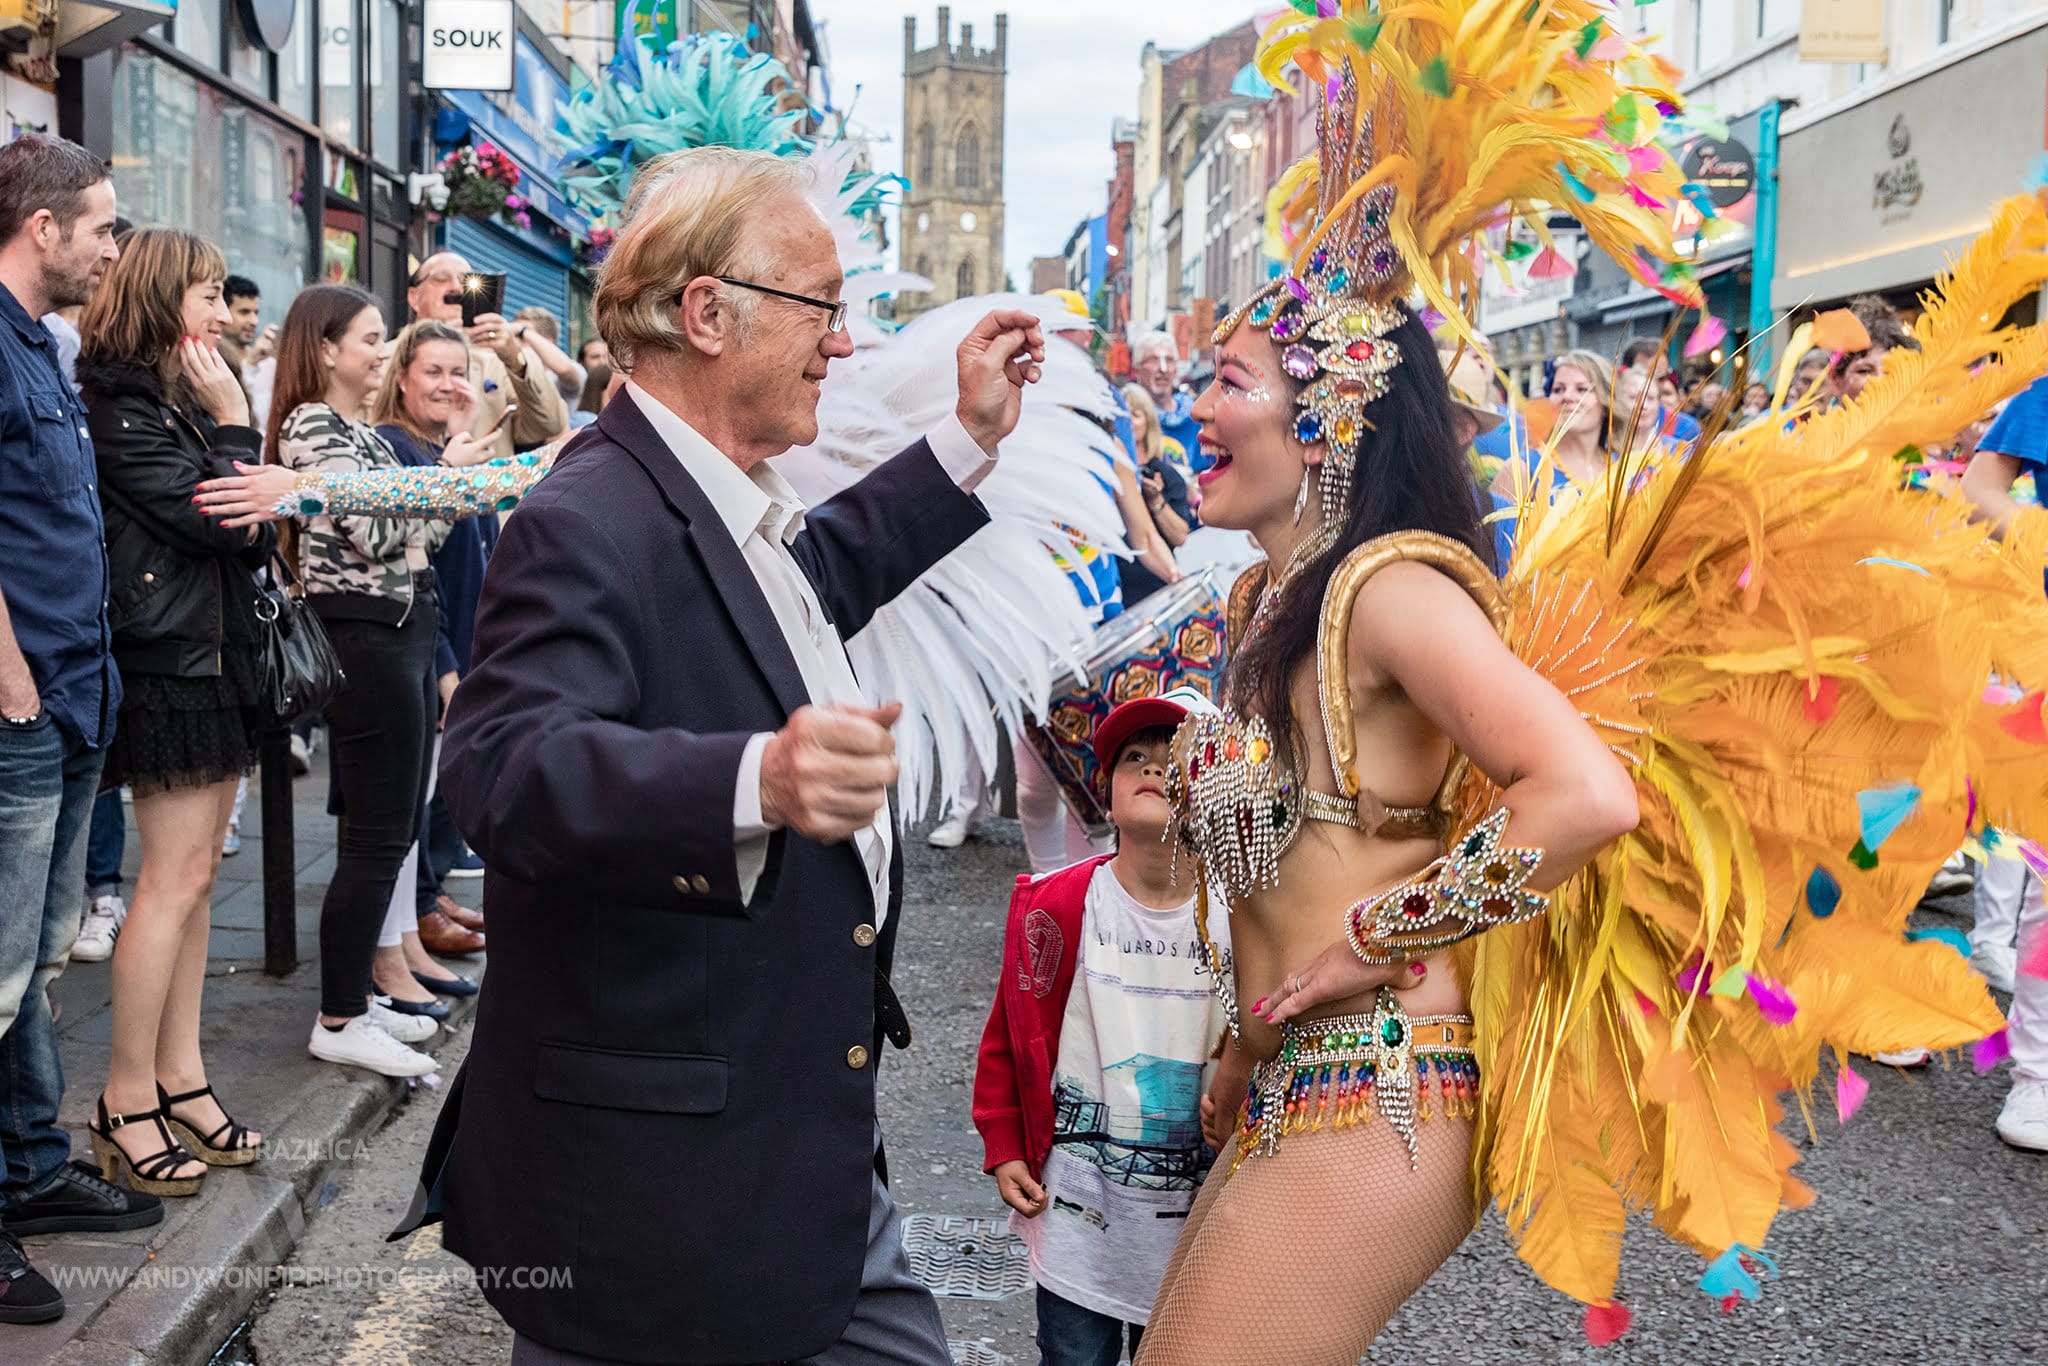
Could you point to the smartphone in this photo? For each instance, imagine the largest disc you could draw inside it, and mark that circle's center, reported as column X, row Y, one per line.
column 482, row 292
column 511, row 411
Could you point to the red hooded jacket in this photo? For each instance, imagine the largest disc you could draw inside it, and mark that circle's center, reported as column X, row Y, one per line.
column 1021, row 1044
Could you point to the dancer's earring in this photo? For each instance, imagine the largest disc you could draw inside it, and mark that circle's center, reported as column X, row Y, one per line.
column 1308, row 475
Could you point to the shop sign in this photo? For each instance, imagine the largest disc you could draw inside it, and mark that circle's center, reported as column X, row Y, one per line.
column 1725, row 169
column 1841, row 31
column 1865, row 212
column 467, row 44
column 1897, row 187
column 268, row 23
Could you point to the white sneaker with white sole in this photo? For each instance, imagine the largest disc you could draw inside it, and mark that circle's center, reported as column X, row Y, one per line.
column 2024, row 1121
column 400, row 1026
column 951, row 832
column 1905, row 1057
column 360, row 1043
column 103, row 920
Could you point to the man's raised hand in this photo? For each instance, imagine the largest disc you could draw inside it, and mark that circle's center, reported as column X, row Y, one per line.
column 997, row 359
column 827, row 772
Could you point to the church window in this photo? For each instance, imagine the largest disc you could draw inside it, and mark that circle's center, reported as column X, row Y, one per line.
column 967, row 159
column 963, row 280
column 924, row 153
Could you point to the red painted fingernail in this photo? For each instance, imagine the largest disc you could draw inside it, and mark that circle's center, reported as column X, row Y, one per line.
column 1259, row 1006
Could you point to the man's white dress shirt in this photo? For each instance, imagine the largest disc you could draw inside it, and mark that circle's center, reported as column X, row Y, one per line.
column 763, row 515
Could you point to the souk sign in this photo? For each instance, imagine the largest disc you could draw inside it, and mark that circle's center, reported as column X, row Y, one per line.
column 467, row 44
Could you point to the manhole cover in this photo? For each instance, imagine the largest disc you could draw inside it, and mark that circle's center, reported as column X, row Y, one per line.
column 975, row 1354
column 966, row 1259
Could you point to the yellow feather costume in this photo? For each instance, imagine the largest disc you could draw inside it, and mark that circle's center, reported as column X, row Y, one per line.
column 1787, row 651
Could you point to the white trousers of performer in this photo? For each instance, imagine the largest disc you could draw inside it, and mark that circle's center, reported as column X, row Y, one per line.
column 403, row 917
column 1053, row 838
column 2012, row 908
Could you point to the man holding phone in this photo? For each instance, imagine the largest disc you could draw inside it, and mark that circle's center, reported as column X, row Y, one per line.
column 502, row 371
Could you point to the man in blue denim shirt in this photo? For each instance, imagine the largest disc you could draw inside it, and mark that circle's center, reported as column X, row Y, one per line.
column 58, row 694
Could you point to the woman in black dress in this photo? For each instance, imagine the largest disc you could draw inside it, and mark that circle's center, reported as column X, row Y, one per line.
column 166, row 412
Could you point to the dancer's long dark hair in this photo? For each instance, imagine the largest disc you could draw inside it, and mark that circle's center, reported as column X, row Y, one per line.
column 1410, row 475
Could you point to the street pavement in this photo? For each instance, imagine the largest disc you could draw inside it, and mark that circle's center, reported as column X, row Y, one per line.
column 167, row 1294
column 1929, row 1241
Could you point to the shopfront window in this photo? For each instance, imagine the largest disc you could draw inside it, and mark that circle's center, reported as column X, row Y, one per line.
column 387, row 82
column 340, row 93
column 295, row 64
column 191, row 157
column 196, row 31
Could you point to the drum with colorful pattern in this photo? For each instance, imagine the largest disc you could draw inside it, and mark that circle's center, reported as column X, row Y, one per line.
column 1173, row 638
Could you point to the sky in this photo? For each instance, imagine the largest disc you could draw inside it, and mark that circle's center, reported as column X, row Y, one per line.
column 1074, row 68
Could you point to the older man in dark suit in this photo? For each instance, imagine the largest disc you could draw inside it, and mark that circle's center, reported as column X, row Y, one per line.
column 663, row 1146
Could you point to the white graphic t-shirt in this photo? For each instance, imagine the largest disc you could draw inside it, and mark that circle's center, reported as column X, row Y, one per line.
column 1127, row 1154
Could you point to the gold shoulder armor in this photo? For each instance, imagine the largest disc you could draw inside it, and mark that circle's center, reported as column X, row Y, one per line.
column 1243, row 599
column 1333, row 670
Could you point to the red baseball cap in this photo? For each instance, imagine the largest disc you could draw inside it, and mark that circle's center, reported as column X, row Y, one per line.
column 1126, row 720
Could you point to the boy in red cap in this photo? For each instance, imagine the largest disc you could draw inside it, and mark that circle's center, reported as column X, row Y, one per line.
column 1089, row 1092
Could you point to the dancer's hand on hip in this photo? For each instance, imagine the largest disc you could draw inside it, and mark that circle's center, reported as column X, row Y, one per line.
column 827, row 772
column 1332, row 975
column 997, row 359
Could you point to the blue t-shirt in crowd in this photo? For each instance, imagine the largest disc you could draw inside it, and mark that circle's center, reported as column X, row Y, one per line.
column 2021, row 431
column 1179, row 423
column 53, row 545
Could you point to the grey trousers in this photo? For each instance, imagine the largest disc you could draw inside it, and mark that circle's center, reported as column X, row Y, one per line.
column 895, row 1320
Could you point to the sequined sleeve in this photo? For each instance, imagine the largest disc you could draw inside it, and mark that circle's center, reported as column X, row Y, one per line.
column 447, row 492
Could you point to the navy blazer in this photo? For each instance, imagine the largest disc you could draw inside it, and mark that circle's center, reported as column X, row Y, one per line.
column 671, row 1090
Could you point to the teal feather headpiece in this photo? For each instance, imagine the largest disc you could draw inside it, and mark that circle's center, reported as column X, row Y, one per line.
column 707, row 89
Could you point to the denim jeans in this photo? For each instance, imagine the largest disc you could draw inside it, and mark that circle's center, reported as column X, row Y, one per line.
column 105, row 844
column 1069, row 1335
column 379, row 733
column 47, row 782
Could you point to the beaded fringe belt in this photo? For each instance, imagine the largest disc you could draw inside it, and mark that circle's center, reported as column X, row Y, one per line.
column 1336, row 1071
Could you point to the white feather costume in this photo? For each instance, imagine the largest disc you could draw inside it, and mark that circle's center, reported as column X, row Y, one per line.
column 980, row 639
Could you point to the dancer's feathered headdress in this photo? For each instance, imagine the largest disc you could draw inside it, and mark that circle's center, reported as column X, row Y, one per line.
column 1440, row 119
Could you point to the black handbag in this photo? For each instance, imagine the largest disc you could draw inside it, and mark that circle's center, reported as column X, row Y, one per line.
column 301, row 672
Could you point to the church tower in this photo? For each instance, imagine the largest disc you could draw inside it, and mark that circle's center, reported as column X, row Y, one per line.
column 952, row 230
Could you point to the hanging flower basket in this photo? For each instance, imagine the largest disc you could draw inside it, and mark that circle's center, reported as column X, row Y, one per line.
column 483, row 183
column 591, row 254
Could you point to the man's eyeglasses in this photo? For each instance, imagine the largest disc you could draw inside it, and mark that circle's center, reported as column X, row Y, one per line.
column 837, row 308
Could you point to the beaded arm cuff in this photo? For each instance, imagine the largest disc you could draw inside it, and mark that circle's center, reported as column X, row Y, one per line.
column 1476, row 887
column 440, row 492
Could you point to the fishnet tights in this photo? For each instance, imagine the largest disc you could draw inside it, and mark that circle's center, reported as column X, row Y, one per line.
column 1303, row 1256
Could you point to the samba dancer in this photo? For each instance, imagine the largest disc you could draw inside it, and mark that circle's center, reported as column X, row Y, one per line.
column 1395, row 796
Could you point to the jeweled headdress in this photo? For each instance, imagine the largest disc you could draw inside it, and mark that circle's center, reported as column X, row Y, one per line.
column 1440, row 121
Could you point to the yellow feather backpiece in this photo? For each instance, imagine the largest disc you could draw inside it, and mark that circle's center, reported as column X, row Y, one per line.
column 1766, row 633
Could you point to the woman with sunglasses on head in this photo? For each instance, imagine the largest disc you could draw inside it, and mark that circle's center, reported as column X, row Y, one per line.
column 165, row 412
column 423, row 409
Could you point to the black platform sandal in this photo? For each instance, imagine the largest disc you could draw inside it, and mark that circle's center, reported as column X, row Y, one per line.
column 150, row 1174
column 233, row 1153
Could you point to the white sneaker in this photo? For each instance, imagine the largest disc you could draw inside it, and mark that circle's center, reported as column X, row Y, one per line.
column 2024, row 1120
column 103, row 921
column 1905, row 1057
column 400, row 1026
column 951, row 832
column 1996, row 964
column 360, row 1043
column 302, row 756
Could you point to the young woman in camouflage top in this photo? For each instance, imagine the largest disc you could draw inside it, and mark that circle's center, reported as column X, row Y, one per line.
column 367, row 577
